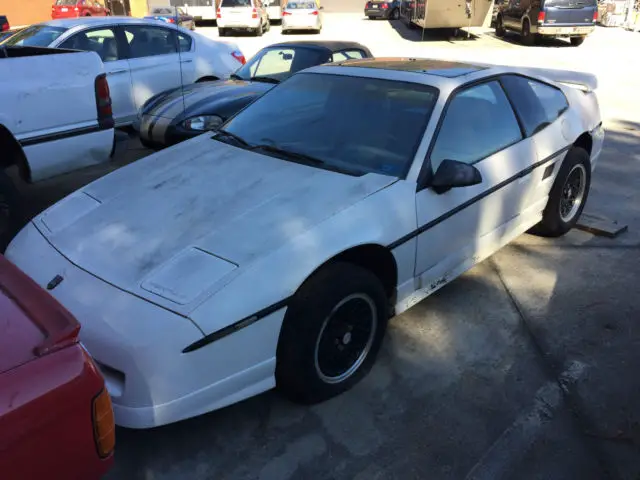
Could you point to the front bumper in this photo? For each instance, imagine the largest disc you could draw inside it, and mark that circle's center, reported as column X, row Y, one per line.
column 565, row 30
column 160, row 132
column 138, row 345
column 376, row 12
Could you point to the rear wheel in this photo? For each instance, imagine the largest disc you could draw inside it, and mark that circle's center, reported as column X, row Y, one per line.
column 11, row 215
column 259, row 31
column 568, row 195
column 268, row 27
column 222, row 32
column 500, row 31
column 528, row 38
column 332, row 332
column 395, row 14
column 371, row 17
column 577, row 41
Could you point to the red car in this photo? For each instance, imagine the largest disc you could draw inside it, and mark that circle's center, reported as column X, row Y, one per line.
column 78, row 8
column 56, row 419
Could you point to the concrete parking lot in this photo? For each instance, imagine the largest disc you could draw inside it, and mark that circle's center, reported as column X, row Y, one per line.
column 526, row 367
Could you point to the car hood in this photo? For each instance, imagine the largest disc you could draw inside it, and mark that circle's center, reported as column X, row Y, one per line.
column 206, row 98
column 201, row 210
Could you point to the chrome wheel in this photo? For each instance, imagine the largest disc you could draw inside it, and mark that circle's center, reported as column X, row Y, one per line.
column 345, row 338
column 573, row 192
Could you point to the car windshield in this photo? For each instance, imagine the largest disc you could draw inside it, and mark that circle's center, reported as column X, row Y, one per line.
column 236, row 3
column 343, row 123
column 162, row 11
column 279, row 63
column 300, row 5
column 570, row 3
column 35, row 36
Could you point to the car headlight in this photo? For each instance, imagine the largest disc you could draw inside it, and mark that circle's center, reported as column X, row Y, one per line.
column 203, row 122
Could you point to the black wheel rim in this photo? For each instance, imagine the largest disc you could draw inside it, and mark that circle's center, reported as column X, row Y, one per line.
column 346, row 338
column 572, row 194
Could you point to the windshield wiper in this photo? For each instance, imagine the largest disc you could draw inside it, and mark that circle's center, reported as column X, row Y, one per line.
column 289, row 155
column 224, row 133
column 265, row 79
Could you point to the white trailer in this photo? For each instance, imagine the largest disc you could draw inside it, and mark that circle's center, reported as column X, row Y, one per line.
column 432, row 14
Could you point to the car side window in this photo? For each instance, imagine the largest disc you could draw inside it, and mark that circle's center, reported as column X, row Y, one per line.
column 273, row 62
column 478, row 122
column 102, row 41
column 537, row 104
column 184, row 42
column 150, row 41
column 347, row 55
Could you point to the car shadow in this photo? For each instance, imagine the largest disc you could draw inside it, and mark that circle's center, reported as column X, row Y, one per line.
column 431, row 35
column 514, row 39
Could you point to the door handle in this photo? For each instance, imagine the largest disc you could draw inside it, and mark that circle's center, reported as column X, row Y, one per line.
column 113, row 72
column 186, row 61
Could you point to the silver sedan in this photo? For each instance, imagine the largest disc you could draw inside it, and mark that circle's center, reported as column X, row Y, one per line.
column 303, row 15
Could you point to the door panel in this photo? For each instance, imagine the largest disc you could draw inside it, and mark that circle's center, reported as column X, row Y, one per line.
column 153, row 60
column 104, row 41
column 481, row 129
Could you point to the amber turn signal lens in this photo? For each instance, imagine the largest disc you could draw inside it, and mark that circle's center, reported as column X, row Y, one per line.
column 104, row 429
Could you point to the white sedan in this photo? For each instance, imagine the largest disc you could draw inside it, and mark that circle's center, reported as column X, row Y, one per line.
column 273, row 252
column 141, row 57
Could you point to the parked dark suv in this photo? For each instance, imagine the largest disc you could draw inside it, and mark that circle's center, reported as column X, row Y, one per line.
column 550, row 18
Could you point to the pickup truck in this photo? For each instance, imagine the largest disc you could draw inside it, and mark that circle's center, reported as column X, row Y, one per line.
column 55, row 117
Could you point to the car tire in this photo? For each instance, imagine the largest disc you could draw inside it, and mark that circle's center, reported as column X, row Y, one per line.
column 573, row 180
column 500, row 30
column 259, row 31
column 395, row 14
column 222, row 32
column 528, row 38
column 577, row 41
column 268, row 27
column 11, row 214
column 371, row 17
column 315, row 337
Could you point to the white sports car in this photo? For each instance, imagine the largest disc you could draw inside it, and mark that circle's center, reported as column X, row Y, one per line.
column 273, row 252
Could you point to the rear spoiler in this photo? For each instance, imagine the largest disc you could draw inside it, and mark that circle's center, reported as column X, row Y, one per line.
column 581, row 80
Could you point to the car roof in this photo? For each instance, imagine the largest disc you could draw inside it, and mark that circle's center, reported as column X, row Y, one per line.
column 333, row 45
column 441, row 68
column 88, row 21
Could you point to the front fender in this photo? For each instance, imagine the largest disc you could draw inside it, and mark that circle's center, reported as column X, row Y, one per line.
column 268, row 283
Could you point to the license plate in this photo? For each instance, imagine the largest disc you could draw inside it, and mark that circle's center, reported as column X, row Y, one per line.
column 64, row 9
column 374, row 6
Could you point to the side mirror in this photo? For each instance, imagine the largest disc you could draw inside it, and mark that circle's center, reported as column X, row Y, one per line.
column 453, row 174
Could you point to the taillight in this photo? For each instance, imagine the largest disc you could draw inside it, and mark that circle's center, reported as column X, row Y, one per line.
column 541, row 17
column 595, row 16
column 254, row 13
column 104, row 430
column 6, row 27
column 219, row 14
column 239, row 57
column 286, row 13
column 385, row 6
column 172, row 20
column 103, row 102
column 315, row 12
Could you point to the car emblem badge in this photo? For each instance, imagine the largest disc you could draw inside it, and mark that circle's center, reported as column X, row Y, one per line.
column 57, row 280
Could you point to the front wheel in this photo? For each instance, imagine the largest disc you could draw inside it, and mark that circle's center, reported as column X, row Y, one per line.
column 10, row 210
column 568, row 195
column 332, row 332
column 577, row 41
